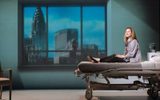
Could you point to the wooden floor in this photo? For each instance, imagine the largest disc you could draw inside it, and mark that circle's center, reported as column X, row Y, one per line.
column 76, row 95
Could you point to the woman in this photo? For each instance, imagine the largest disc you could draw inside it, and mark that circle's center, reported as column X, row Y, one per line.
column 132, row 52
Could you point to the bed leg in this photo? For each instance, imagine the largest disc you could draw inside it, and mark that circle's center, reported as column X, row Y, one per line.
column 153, row 87
column 153, row 92
column 88, row 93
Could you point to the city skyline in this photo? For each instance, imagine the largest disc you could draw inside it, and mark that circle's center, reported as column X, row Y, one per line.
column 90, row 22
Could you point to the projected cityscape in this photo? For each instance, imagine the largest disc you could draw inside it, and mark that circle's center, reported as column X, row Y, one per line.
column 58, row 40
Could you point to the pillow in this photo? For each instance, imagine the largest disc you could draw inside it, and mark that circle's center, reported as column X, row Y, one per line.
column 155, row 59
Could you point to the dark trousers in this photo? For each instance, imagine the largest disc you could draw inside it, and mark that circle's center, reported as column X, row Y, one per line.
column 112, row 58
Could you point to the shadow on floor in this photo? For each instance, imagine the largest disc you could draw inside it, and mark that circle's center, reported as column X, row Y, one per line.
column 126, row 98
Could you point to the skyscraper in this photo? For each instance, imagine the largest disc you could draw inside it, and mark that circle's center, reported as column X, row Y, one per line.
column 64, row 37
column 38, row 49
column 64, row 41
column 39, row 36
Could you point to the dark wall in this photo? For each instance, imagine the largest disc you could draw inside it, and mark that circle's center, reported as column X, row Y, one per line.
column 142, row 15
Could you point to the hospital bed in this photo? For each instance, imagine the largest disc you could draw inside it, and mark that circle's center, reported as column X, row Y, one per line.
column 149, row 72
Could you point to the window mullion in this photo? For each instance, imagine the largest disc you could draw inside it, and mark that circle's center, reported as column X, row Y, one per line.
column 81, row 22
column 47, row 32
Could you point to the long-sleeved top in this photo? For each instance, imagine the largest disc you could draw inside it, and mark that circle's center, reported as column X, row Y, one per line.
column 133, row 51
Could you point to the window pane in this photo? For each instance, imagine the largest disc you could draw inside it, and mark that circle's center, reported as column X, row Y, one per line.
column 35, row 36
column 56, row 38
column 93, row 30
column 63, row 32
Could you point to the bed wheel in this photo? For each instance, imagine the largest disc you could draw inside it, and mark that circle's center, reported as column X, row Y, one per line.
column 149, row 92
column 153, row 93
column 88, row 94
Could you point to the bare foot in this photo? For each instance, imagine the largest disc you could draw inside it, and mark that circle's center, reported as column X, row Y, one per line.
column 91, row 59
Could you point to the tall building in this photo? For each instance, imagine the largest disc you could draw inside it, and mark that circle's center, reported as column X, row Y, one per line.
column 27, row 48
column 38, row 50
column 39, row 36
column 64, row 41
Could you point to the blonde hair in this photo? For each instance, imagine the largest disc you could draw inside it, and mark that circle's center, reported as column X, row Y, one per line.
column 133, row 34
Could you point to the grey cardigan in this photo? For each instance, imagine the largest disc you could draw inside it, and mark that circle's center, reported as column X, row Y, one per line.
column 133, row 51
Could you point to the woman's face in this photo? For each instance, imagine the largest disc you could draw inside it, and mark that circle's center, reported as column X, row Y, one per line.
column 128, row 33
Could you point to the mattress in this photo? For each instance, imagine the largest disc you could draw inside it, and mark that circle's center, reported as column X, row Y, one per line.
column 89, row 67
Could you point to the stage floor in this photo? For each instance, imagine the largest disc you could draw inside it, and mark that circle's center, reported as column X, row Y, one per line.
column 77, row 95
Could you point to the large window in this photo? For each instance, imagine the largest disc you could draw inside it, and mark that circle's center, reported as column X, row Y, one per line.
column 62, row 35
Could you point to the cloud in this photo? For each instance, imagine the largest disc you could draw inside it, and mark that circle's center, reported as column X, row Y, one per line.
column 56, row 25
column 89, row 26
column 93, row 26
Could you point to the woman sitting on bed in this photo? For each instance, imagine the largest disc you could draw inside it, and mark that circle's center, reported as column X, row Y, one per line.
column 132, row 50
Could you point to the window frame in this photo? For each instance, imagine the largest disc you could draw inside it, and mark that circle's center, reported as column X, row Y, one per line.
column 81, row 4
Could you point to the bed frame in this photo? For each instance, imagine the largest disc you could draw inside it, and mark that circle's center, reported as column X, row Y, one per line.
column 152, row 75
